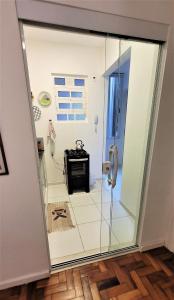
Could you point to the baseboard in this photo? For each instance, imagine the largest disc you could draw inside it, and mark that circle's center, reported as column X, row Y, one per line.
column 152, row 245
column 55, row 182
column 23, row 279
column 169, row 247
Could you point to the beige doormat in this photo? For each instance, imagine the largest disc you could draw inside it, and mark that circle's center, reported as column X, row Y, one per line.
column 59, row 217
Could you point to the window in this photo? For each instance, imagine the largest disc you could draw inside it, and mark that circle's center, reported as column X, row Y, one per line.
column 61, row 117
column 76, row 94
column 70, row 96
column 64, row 105
column 77, row 105
column 59, row 81
column 79, row 82
column 63, row 94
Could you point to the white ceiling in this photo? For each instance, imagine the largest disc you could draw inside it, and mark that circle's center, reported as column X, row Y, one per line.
column 65, row 37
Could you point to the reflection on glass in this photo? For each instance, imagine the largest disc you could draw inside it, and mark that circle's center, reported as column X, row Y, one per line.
column 129, row 78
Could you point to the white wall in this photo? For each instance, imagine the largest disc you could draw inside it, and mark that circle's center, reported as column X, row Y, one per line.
column 45, row 58
column 23, row 244
column 112, row 51
column 140, row 96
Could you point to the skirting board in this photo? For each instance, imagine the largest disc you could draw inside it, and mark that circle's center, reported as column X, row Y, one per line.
column 23, row 279
column 56, row 182
column 152, row 245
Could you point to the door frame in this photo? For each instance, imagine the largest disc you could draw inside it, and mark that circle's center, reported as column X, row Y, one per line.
column 58, row 16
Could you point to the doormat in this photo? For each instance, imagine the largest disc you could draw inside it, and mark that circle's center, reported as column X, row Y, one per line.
column 59, row 217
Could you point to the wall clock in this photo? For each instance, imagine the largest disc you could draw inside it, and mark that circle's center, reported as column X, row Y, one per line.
column 44, row 99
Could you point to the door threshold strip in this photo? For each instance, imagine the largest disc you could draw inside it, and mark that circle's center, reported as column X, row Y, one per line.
column 93, row 258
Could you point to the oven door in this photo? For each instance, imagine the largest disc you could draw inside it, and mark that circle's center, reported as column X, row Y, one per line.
column 79, row 167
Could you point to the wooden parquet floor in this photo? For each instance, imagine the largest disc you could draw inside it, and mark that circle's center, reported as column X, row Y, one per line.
column 145, row 276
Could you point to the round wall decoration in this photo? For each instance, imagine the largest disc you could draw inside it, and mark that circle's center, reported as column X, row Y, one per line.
column 44, row 99
column 36, row 113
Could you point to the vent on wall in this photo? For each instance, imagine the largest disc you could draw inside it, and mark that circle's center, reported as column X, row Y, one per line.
column 71, row 97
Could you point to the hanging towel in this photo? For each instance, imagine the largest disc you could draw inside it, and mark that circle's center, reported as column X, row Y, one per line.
column 51, row 137
column 51, row 132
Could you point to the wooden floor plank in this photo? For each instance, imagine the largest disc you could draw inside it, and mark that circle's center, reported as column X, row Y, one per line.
column 169, row 293
column 79, row 298
column 95, row 292
column 150, row 288
column 47, row 282
column 114, row 291
column 102, row 266
column 77, row 283
column 165, row 268
column 62, row 276
column 64, row 295
column 145, row 271
column 99, row 276
column 160, row 293
column 153, row 262
column 50, row 290
column 47, row 297
column 136, row 276
column 121, row 275
column 86, row 288
column 23, row 293
column 70, row 279
column 132, row 295
column 139, row 283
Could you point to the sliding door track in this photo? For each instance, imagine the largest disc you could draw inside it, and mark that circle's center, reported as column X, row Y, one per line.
column 92, row 258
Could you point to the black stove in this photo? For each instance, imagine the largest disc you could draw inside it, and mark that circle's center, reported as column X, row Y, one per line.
column 76, row 163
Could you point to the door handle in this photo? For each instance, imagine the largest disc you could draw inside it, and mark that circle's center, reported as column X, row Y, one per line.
column 113, row 158
column 106, row 167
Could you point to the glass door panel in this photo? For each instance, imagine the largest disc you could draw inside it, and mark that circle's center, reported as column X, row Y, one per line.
column 119, row 213
column 144, row 63
column 70, row 70
column 112, row 83
column 133, row 81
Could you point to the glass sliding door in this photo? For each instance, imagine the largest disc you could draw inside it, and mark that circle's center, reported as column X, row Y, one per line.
column 130, row 80
column 66, row 77
column 96, row 111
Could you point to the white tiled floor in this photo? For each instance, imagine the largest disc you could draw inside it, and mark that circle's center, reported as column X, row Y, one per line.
column 115, row 211
column 86, row 214
column 123, row 228
column 65, row 243
column 93, row 232
column 80, row 199
column 96, row 229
